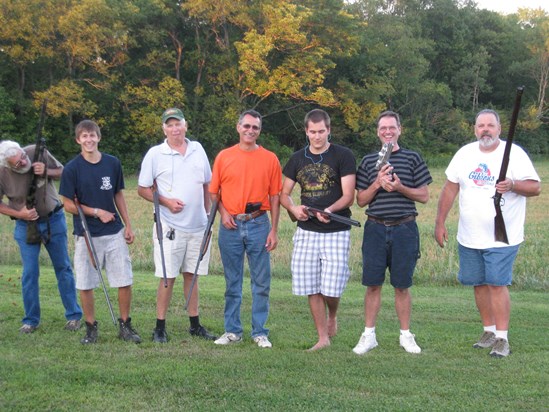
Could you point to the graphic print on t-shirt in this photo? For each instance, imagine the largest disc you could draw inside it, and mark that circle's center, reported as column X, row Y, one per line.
column 316, row 180
column 106, row 183
column 482, row 175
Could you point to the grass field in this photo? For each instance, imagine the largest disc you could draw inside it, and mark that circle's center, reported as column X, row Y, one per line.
column 51, row 370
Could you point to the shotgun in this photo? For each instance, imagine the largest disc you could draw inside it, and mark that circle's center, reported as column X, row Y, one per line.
column 93, row 255
column 159, row 233
column 203, row 247
column 499, row 224
column 33, row 234
column 333, row 216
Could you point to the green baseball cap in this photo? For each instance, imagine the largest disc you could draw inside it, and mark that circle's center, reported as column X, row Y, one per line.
column 172, row 113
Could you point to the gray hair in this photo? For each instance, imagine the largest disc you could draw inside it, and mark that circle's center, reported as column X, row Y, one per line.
column 252, row 113
column 8, row 149
column 487, row 111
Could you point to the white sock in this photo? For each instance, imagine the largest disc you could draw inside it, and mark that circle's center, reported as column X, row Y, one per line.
column 405, row 332
column 501, row 334
column 369, row 331
column 491, row 328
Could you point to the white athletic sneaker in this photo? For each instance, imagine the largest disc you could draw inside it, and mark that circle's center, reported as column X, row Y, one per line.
column 409, row 343
column 227, row 338
column 263, row 342
column 366, row 343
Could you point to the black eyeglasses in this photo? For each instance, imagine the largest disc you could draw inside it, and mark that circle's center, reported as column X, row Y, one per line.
column 253, row 127
column 21, row 158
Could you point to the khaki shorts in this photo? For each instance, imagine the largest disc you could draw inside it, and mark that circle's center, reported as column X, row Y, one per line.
column 113, row 255
column 180, row 254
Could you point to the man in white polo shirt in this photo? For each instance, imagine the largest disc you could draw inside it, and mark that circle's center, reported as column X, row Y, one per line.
column 180, row 170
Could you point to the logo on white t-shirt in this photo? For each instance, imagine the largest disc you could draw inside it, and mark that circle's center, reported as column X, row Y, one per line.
column 482, row 176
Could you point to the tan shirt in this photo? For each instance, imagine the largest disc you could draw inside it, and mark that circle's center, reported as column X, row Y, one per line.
column 15, row 186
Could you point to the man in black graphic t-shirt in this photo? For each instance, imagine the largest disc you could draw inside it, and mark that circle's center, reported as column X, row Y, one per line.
column 326, row 175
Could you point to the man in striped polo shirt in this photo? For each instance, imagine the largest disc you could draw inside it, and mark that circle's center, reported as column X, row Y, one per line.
column 391, row 236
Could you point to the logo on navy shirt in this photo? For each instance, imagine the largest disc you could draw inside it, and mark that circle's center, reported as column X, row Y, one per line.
column 106, row 183
column 482, row 175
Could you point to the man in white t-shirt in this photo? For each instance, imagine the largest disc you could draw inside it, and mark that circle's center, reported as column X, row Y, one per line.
column 181, row 172
column 485, row 263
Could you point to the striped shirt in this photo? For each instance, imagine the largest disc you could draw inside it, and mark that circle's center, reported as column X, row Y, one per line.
column 412, row 172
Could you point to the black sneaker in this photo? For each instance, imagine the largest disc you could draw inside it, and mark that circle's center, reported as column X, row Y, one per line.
column 127, row 333
column 202, row 332
column 91, row 333
column 160, row 336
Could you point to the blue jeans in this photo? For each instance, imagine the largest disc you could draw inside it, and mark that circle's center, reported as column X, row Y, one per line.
column 249, row 238
column 57, row 248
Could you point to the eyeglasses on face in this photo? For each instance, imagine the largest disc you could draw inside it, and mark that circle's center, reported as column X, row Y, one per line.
column 389, row 128
column 22, row 158
column 248, row 126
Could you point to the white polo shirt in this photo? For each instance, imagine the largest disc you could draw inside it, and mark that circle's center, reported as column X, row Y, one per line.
column 181, row 177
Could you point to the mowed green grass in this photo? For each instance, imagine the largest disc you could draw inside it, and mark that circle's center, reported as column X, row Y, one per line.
column 51, row 370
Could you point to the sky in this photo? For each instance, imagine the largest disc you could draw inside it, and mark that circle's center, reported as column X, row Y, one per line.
column 511, row 6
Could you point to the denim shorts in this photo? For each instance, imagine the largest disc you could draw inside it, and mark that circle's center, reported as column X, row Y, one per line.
column 393, row 247
column 493, row 266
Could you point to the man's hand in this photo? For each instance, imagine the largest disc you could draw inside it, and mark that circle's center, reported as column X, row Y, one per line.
column 505, row 186
column 227, row 220
column 272, row 241
column 391, row 183
column 28, row 214
column 441, row 234
column 300, row 212
column 129, row 235
column 322, row 217
column 174, row 205
column 105, row 216
column 38, row 168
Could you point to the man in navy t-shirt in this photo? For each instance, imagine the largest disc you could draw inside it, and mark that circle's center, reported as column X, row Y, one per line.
column 96, row 180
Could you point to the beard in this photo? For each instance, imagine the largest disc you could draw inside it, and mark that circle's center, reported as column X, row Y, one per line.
column 24, row 169
column 487, row 141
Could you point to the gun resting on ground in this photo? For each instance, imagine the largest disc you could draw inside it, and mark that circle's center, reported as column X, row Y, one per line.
column 159, row 233
column 93, row 255
column 203, row 247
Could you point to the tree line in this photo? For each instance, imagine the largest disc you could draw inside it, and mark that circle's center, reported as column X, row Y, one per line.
column 122, row 62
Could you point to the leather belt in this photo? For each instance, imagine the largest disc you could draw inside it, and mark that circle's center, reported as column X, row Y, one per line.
column 394, row 222
column 244, row 217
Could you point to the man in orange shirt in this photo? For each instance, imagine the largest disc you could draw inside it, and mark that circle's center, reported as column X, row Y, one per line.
column 246, row 182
